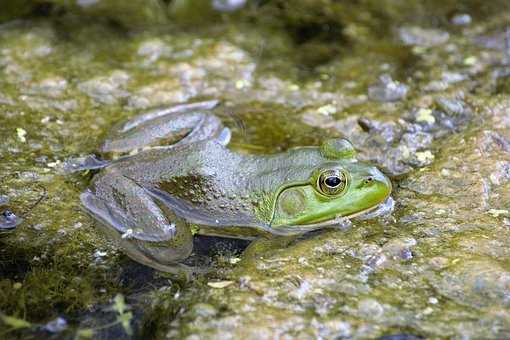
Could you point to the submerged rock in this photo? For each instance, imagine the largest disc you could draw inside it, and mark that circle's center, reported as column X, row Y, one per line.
column 387, row 90
column 56, row 326
column 4, row 199
column 461, row 19
column 423, row 37
column 106, row 90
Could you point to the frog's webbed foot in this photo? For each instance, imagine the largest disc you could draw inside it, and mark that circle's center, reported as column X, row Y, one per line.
column 147, row 231
column 168, row 127
column 76, row 164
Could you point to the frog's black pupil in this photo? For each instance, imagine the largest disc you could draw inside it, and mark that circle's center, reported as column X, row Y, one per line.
column 333, row 181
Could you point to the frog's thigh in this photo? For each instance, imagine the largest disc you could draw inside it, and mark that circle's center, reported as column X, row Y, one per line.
column 166, row 127
column 145, row 229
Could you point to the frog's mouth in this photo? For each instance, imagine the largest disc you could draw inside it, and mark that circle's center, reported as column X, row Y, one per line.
column 383, row 209
column 339, row 222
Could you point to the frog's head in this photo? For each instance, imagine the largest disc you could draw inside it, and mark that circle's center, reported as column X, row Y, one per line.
column 339, row 187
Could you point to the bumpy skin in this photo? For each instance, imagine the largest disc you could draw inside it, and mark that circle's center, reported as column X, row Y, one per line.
column 150, row 200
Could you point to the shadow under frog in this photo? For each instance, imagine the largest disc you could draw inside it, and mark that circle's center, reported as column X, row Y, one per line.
column 176, row 175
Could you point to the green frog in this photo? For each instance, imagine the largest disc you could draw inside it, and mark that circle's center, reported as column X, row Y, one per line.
column 177, row 178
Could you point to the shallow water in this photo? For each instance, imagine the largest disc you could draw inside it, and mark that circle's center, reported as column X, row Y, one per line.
column 437, row 122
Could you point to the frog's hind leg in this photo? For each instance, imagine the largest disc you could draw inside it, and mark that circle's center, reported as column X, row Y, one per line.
column 167, row 127
column 147, row 231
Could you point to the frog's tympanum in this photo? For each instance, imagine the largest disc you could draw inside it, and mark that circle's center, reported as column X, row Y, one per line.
column 179, row 176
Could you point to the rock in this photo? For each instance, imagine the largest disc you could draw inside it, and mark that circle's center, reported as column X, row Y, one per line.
column 4, row 199
column 228, row 5
column 56, row 326
column 387, row 90
column 371, row 309
column 204, row 310
column 423, row 37
column 461, row 19
column 475, row 283
column 106, row 90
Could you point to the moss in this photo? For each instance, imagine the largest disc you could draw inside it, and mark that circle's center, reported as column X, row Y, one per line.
column 15, row 9
column 65, row 281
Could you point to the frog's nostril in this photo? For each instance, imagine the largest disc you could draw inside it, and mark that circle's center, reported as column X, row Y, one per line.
column 369, row 179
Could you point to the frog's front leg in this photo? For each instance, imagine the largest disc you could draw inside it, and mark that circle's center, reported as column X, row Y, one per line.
column 144, row 228
column 167, row 127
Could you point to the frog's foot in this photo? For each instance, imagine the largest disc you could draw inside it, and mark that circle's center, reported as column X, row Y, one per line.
column 76, row 164
column 167, row 127
column 147, row 232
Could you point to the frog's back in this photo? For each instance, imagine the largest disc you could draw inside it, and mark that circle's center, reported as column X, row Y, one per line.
column 204, row 158
column 196, row 181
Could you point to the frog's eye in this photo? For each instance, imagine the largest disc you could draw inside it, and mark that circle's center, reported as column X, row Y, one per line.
column 331, row 182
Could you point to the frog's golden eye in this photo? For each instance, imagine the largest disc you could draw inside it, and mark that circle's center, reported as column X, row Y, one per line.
column 332, row 182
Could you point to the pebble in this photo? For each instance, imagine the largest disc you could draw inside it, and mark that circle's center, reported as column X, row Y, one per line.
column 461, row 19
column 423, row 37
column 56, row 326
column 203, row 310
column 4, row 199
column 228, row 5
column 106, row 90
column 387, row 90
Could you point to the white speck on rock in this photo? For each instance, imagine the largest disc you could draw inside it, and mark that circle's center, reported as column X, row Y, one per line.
column 433, row 300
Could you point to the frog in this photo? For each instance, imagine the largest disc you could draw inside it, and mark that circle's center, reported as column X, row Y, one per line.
column 172, row 176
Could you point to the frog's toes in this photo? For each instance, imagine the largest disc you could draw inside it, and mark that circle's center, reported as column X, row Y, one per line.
column 224, row 136
column 88, row 162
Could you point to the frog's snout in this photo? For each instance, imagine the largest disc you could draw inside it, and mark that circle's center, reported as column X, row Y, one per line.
column 376, row 177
